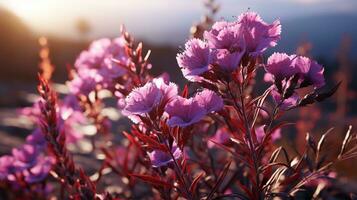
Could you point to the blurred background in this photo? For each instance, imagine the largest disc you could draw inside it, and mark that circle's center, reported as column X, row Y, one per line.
column 323, row 29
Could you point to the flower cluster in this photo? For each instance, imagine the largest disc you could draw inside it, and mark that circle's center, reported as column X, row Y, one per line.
column 227, row 44
column 27, row 162
column 215, row 140
column 100, row 65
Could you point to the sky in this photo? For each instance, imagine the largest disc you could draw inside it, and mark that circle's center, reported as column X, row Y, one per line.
column 158, row 21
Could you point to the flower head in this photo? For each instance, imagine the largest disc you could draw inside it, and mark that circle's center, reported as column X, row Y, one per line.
column 40, row 171
column 258, row 34
column 184, row 112
column 209, row 100
column 160, row 158
column 195, row 60
column 260, row 133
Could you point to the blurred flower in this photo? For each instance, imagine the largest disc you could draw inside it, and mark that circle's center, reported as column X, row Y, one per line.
column 159, row 158
column 260, row 133
column 7, row 166
column 25, row 156
column 221, row 136
column 40, row 171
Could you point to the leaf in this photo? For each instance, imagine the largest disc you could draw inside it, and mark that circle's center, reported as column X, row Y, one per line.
column 260, row 104
column 150, row 141
column 184, row 93
column 195, row 182
column 152, row 180
column 322, row 96
column 219, row 180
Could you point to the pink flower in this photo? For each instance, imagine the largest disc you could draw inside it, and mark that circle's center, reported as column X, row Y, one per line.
column 226, row 36
column 221, row 136
column 159, row 158
column 195, row 60
column 258, row 34
column 84, row 82
column 311, row 72
column 209, row 100
column 260, row 133
column 25, row 156
column 286, row 103
column 184, row 112
column 228, row 61
column 7, row 166
column 143, row 100
column 36, row 138
column 280, row 66
column 40, row 171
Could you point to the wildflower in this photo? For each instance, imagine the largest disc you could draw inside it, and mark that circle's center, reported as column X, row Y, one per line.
column 6, row 166
column 142, row 100
column 36, row 138
column 84, row 83
column 209, row 100
column 221, row 136
column 258, row 34
column 279, row 66
column 226, row 36
column 25, row 156
column 160, row 158
column 260, row 133
column 168, row 89
column 184, row 112
column 310, row 71
column 284, row 104
column 195, row 60
column 228, row 61
column 40, row 171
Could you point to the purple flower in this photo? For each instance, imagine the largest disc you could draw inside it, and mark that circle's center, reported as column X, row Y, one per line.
column 84, row 83
column 195, row 60
column 36, row 138
column 260, row 133
column 258, row 34
column 168, row 89
column 25, row 156
column 311, row 72
column 221, row 136
column 7, row 166
column 40, row 171
column 159, row 158
column 226, row 36
column 228, row 61
column 280, row 66
column 93, row 58
column 184, row 112
column 209, row 100
column 143, row 100
column 286, row 103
